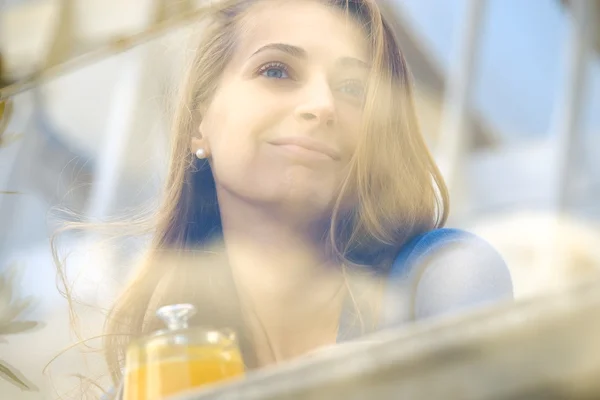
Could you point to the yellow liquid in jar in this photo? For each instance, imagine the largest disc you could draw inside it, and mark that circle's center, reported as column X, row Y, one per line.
column 170, row 370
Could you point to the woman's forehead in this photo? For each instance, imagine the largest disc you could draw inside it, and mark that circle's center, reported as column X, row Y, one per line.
column 308, row 24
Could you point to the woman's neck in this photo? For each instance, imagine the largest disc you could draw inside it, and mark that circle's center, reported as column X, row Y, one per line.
column 290, row 290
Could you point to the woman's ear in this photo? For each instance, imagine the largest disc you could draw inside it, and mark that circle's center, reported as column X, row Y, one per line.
column 200, row 143
column 199, row 146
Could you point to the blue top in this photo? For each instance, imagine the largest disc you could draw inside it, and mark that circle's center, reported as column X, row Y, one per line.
column 441, row 272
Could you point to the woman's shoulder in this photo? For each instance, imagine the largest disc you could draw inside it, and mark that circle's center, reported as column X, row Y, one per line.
column 445, row 244
column 443, row 271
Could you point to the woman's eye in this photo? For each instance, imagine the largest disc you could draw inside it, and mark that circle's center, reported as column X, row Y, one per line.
column 354, row 88
column 274, row 71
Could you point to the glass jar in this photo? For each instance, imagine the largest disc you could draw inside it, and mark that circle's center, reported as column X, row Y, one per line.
column 179, row 358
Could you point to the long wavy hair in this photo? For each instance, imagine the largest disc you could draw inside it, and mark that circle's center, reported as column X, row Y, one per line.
column 398, row 189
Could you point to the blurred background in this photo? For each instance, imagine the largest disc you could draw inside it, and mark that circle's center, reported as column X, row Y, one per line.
column 508, row 95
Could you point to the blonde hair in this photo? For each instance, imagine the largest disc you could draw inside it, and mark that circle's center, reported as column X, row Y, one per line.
column 397, row 187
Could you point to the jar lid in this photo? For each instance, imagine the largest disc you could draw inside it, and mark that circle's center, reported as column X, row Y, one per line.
column 176, row 316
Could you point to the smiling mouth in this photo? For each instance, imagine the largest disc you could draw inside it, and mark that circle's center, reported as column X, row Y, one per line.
column 306, row 146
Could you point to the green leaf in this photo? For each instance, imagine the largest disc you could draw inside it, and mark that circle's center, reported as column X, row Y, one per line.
column 12, row 375
column 7, row 281
column 11, row 306
column 11, row 311
column 17, row 327
column 6, row 140
column 6, row 110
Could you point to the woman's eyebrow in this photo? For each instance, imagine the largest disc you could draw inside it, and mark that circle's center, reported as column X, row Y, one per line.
column 351, row 62
column 299, row 52
column 294, row 51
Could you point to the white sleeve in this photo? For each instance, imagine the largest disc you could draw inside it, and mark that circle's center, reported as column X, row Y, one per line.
column 463, row 274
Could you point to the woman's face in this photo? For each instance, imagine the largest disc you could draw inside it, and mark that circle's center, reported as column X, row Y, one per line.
column 285, row 120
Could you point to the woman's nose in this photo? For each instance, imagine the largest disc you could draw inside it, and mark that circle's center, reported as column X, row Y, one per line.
column 318, row 105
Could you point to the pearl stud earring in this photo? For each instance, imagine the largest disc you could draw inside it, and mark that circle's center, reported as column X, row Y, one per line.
column 201, row 153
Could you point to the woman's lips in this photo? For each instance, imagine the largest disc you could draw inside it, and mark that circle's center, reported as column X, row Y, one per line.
column 306, row 146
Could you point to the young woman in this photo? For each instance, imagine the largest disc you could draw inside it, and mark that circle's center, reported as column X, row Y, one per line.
column 302, row 206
